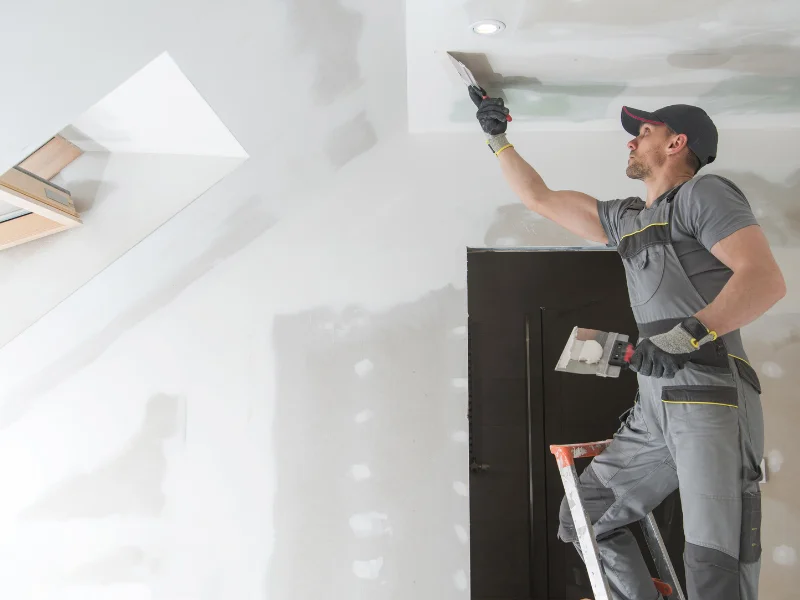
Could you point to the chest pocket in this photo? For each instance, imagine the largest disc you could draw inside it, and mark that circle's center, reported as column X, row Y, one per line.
column 643, row 254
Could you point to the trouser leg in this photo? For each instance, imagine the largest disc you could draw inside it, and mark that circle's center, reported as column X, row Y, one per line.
column 716, row 435
column 630, row 478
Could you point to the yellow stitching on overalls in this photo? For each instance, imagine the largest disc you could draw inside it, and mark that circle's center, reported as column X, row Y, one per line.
column 641, row 230
column 712, row 403
column 741, row 359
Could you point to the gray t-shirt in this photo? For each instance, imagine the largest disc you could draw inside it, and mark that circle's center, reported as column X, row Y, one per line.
column 706, row 209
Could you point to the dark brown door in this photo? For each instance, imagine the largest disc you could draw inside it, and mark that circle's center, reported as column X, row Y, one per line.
column 522, row 308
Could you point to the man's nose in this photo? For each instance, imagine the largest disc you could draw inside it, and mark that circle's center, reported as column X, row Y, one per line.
column 632, row 145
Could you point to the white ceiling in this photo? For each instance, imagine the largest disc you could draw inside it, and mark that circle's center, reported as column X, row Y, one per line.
column 571, row 64
column 306, row 87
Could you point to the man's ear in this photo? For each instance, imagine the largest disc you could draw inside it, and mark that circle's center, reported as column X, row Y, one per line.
column 678, row 143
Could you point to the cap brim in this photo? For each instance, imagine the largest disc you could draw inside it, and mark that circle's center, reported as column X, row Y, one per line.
column 632, row 119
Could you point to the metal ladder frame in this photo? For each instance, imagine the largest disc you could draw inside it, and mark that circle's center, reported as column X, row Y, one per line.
column 565, row 457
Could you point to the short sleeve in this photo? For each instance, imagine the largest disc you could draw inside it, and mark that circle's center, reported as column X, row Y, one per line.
column 713, row 209
column 610, row 213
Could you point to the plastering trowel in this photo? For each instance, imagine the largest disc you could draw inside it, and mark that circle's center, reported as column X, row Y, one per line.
column 468, row 78
column 593, row 352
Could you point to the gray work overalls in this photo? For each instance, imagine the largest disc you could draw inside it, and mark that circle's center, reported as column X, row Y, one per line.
column 701, row 432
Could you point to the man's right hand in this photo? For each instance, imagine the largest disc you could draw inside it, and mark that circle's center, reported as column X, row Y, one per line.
column 491, row 112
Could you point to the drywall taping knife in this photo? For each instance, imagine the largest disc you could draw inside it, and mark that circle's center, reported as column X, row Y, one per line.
column 593, row 352
column 468, row 78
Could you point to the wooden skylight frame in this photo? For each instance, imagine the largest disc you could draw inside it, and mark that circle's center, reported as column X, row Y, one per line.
column 44, row 208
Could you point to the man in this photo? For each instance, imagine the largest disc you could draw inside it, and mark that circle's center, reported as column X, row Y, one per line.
column 698, row 268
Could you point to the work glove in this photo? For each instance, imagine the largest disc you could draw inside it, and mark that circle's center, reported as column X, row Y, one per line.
column 665, row 354
column 492, row 117
column 491, row 112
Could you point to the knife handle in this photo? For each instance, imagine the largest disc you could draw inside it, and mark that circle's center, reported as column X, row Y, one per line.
column 621, row 354
column 628, row 353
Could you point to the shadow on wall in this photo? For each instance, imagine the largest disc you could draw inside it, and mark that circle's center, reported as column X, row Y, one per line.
column 366, row 442
column 130, row 484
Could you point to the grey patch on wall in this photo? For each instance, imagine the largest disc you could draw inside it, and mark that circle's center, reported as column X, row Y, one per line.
column 121, row 565
column 238, row 230
column 318, row 437
column 527, row 96
column 769, row 54
column 350, row 140
column 754, row 94
column 513, row 225
column 775, row 205
column 332, row 32
column 130, row 484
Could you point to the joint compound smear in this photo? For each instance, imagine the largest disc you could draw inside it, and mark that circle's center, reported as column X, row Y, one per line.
column 371, row 524
column 772, row 370
column 360, row 472
column 364, row 416
column 462, row 437
column 460, row 580
column 461, row 488
column 774, row 461
column 363, row 367
column 460, row 383
column 786, row 556
column 368, row 569
column 461, row 534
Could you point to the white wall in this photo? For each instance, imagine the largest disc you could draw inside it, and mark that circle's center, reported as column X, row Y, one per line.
column 274, row 407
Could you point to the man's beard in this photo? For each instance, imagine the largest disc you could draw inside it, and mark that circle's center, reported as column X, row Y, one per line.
column 637, row 170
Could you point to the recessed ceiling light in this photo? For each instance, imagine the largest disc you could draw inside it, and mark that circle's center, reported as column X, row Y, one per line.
column 488, row 26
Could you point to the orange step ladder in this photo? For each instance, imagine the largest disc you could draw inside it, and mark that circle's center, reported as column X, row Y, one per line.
column 668, row 585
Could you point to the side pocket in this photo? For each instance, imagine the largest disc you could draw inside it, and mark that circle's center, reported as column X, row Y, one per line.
column 700, row 394
column 750, row 548
column 748, row 374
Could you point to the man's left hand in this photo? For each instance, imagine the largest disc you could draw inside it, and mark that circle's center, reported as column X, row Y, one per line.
column 665, row 354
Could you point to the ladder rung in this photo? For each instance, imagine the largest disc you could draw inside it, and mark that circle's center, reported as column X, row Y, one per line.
column 567, row 453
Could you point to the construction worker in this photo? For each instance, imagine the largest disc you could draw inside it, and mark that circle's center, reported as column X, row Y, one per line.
column 698, row 268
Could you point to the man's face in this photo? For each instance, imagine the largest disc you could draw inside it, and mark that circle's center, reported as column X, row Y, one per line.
column 647, row 151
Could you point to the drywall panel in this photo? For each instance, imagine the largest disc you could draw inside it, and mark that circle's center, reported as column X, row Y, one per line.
column 156, row 111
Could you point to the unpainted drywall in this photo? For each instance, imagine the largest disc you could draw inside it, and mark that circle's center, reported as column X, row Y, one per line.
column 566, row 65
column 320, row 359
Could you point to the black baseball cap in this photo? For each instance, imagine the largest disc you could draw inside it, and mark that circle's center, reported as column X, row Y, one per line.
column 690, row 120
